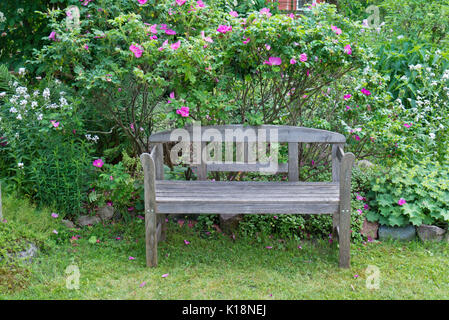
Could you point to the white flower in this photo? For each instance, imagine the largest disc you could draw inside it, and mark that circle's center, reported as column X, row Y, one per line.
column 432, row 135
column 445, row 75
column 22, row 71
column 400, row 36
column 20, row 165
column 13, row 110
column 40, row 116
column 2, row 94
column 21, row 90
column 52, row 106
column 2, row 17
column 36, row 93
column 415, row 67
column 63, row 101
column 20, row 10
column 33, row 104
column 46, row 93
column 19, row 117
column 95, row 138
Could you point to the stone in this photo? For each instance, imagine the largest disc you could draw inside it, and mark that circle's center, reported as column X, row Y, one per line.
column 26, row 255
column 87, row 220
column 365, row 164
column 430, row 233
column 106, row 213
column 69, row 224
column 229, row 222
column 370, row 229
column 406, row 233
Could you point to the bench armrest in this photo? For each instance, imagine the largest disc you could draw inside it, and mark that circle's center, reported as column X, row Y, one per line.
column 337, row 155
column 342, row 165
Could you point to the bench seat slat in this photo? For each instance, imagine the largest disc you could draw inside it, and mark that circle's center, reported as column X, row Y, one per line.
column 242, row 208
column 250, row 183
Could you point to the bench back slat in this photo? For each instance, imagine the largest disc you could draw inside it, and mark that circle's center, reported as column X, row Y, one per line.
column 293, row 169
column 249, row 133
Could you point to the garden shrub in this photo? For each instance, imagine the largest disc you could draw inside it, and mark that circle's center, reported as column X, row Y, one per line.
column 22, row 29
column 144, row 68
column 411, row 193
column 413, row 55
column 138, row 68
column 44, row 153
column 120, row 185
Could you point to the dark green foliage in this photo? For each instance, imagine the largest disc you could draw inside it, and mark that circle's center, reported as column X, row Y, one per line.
column 24, row 29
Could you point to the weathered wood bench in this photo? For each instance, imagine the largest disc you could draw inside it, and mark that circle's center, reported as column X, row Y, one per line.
column 251, row 197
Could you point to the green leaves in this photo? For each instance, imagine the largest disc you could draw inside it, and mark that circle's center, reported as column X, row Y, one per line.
column 421, row 185
column 92, row 239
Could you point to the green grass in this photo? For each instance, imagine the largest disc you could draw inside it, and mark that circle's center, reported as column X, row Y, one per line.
column 214, row 267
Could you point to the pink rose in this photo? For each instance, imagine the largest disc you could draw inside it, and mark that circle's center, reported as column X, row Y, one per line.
column 98, row 163
column 273, row 61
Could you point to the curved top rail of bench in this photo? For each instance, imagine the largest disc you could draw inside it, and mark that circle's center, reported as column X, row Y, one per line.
column 235, row 133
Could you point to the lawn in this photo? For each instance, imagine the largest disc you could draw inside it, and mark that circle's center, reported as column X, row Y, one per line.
column 212, row 267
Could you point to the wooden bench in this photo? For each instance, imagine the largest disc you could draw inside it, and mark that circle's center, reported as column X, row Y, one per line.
column 251, row 197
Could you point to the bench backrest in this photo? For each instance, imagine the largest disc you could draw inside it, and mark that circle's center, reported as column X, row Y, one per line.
column 246, row 138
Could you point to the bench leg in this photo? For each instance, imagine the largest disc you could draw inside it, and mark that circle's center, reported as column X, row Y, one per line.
column 151, row 238
column 150, row 209
column 162, row 225
column 344, row 238
column 335, row 224
column 344, row 227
